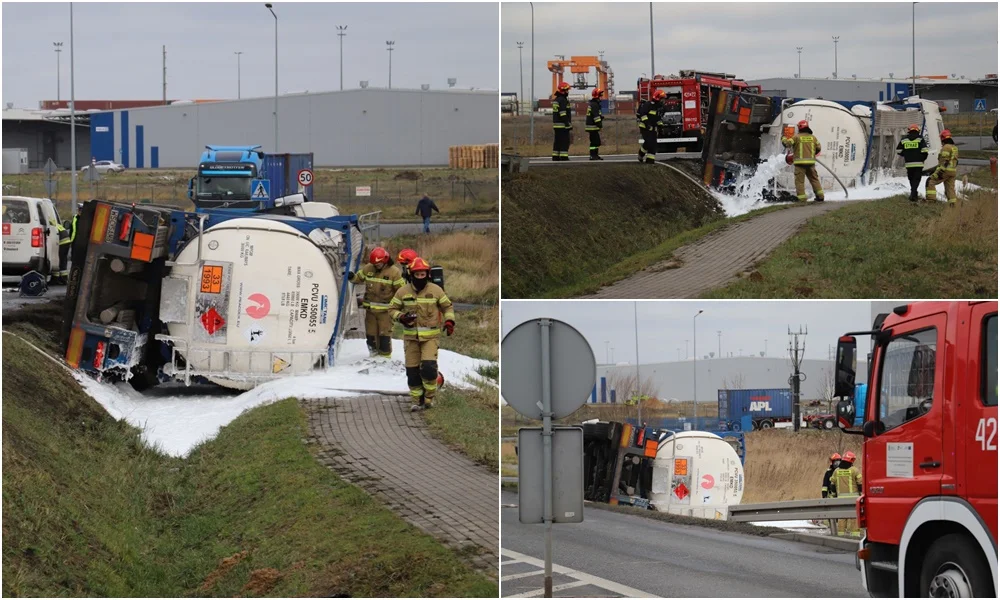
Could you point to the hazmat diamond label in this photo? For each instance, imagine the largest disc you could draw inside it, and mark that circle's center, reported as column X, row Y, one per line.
column 681, row 491
column 212, row 321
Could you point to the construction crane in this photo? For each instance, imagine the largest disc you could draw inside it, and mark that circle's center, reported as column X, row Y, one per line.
column 580, row 66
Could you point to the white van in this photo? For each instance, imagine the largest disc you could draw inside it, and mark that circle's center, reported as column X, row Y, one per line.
column 30, row 236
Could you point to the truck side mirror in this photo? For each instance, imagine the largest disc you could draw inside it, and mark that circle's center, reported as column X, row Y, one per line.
column 845, row 412
column 191, row 189
column 872, row 428
column 847, row 350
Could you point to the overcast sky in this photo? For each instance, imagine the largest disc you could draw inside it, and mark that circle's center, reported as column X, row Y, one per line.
column 665, row 325
column 433, row 42
column 752, row 39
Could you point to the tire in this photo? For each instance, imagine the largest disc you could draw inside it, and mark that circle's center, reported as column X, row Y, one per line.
column 828, row 424
column 955, row 565
column 766, row 424
column 735, row 427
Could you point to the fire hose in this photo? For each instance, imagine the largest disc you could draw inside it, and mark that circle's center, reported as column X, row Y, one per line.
column 834, row 176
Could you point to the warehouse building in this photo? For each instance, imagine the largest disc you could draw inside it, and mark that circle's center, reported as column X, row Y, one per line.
column 964, row 91
column 351, row 128
column 44, row 135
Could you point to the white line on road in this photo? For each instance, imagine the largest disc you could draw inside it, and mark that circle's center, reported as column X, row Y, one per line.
column 555, row 588
column 584, row 578
column 521, row 575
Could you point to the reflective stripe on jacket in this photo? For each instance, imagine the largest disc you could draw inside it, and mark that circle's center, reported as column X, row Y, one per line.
column 562, row 114
column 804, row 147
column 649, row 114
column 380, row 285
column 948, row 158
column 431, row 305
column 595, row 121
column 847, row 482
column 913, row 150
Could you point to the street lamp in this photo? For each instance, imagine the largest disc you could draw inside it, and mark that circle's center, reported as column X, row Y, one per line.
column 58, row 47
column 836, row 71
column 520, row 61
column 913, row 42
column 239, row 93
column 652, row 59
column 638, row 394
column 341, row 32
column 72, row 120
column 389, row 44
column 268, row 5
column 799, row 50
column 694, row 339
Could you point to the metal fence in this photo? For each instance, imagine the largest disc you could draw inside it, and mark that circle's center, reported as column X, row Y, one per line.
column 394, row 191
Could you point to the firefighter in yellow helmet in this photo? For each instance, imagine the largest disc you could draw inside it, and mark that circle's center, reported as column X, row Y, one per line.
column 945, row 171
column 562, row 123
column 805, row 148
column 423, row 309
column 382, row 279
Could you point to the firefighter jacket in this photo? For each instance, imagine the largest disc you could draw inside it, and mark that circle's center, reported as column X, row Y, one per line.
column 828, row 491
column 431, row 305
column 562, row 114
column 649, row 114
column 805, row 147
column 63, row 233
column 846, row 480
column 380, row 285
column 594, row 119
column 72, row 229
column 948, row 159
column 913, row 149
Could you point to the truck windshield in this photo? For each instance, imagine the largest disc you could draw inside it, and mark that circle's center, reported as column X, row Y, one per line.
column 223, row 188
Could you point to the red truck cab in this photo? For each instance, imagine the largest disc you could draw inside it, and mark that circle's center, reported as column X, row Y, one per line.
column 929, row 500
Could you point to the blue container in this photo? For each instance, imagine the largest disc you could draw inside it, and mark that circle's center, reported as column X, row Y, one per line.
column 758, row 404
column 283, row 171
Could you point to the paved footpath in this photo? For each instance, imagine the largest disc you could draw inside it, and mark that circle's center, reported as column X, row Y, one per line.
column 718, row 258
column 376, row 443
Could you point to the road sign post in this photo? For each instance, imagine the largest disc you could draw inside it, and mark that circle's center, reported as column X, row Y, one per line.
column 551, row 370
column 50, row 182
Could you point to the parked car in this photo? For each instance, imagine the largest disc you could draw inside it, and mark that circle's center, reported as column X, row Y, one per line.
column 30, row 236
column 104, row 166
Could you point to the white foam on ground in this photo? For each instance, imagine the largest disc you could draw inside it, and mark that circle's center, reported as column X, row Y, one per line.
column 750, row 187
column 797, row 526
column 175, row 419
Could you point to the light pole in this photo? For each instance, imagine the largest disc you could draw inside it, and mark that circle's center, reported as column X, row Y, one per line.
column 638, row 395
column 389, row 44
column 341, row 32
column 72, row 120
column 58, row 47
column 836, row 71
column 694, row 340
column 520, row 61
column 239, row 92
column 652, row 59
column 913, row 42
column 799, row 50
column 720, row 342
column 268, row 5
column 531, row 100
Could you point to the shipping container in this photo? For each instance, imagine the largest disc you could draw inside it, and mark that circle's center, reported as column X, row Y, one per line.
column 15, row 161
column 283, row 171
column 765, row 407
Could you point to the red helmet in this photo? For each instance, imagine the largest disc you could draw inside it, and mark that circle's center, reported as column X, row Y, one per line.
column 849, row 456
column 803, row 124
column 836, row 456
column 419, row 264
column 914, row 127
column 406, row 256
column 597, row 93
column 945, row 134
column 659, row 95
column 563, row 88
column 378, row 256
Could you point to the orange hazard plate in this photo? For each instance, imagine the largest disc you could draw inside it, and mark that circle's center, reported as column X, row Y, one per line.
column 211, row 279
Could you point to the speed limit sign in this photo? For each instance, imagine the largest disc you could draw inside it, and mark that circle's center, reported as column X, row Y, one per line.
column 305, row 177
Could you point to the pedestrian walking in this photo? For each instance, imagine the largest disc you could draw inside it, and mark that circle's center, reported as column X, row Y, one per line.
column 424, row 208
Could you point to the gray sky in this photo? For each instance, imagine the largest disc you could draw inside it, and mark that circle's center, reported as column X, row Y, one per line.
column 751, row 39
column 118, row 48
column 665, row 325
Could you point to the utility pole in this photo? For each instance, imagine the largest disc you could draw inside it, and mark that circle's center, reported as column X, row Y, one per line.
column 273, row 14
column 836, row 70
column 164, row 75
column 72, row 120
column 652, row 56
column 531, row 101
column 389, row 44
column 638, row 394
column 58, row 46
column 799, row 50
column 796, row 351
column 913, row 42
column 341, row 32
column 694, row 368
column 720, row 342
column 239, row 93
column 520, row 60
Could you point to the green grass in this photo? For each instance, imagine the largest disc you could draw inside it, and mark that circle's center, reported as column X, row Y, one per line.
column 884, row 249
column 90, row 511
column 466, row 420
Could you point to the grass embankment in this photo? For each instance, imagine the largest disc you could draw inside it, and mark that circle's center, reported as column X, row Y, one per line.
column 619, row 136
column 471, row 261
column 576, row 229
column 90, row 511
column 884, row 249
column 463, row 194
column 784, row 465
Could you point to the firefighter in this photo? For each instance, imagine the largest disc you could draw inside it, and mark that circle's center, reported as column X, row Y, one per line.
column 834, row 463
column 649, row 120
column 382, row 279
column 945, row 171
column 404, row 258
column 595, row 122
column 64, row 245
column 846, row 482
column 423, row 309
column 913, row 149
column 805, row 148
column 562, row 123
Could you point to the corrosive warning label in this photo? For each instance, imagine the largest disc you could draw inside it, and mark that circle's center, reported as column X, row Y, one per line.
column 211, row 279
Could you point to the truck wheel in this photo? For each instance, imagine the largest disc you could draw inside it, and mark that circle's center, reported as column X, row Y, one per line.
column 766, row 424
column 954, row 568
column 735, row 427
column 828, row 424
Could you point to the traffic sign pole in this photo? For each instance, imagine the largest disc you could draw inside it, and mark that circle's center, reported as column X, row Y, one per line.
column 547, row 451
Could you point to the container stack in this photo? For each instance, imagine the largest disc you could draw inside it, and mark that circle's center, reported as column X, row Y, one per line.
column 474, row 157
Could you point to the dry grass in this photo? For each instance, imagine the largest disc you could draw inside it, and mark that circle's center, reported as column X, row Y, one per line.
column 784, row 465
column 972, row 221
column 507, row 454
column 471, row 261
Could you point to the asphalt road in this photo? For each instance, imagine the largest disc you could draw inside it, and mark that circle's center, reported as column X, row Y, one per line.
column 669, row 560
column 13, row 301
column 437, row 226
column 971, row 142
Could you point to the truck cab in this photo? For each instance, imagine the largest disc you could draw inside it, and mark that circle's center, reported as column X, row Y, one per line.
column 225, row 179
column 929, row 501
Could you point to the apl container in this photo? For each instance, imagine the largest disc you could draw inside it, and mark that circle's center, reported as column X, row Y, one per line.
column 696, row 474
column 283, row 171
column 759, row 404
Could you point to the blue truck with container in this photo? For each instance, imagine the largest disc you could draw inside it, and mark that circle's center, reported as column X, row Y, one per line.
column 245, row 178
column 743, row 410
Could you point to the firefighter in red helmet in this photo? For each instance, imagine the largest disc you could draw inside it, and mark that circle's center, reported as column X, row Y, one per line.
column 562, row 123
column 805, row 148
column 424, row 310
column 913, row 149
column 649, row 122
column 834, row 463
column 381, row 279
column 405, row 257
column 946, row 170
column 595, row 122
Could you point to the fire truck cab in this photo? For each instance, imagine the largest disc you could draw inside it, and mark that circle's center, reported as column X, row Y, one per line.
column 929, row 500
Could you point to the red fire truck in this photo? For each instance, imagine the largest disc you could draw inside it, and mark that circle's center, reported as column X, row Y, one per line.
column 928, row 501
column 686, row 108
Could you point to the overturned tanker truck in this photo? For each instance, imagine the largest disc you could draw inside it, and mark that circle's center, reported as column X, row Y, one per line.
column 858, row 139
column 157, row 293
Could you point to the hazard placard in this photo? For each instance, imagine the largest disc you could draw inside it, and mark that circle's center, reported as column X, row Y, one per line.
column 211, row 279
column 212, row 321
column 305, row 177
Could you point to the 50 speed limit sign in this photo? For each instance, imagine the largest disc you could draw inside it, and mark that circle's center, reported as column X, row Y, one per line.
column 305, row 177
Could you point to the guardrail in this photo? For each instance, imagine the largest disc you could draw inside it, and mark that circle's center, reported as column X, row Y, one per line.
column 820, row 508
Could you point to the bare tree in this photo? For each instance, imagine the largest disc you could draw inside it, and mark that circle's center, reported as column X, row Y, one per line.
column 735, row 382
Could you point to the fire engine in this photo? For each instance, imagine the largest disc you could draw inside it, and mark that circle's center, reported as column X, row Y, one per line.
column 685, row 114
column 929, row 498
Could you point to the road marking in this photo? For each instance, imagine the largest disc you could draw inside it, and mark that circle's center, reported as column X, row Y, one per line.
column 581, row 577
column 521, row 575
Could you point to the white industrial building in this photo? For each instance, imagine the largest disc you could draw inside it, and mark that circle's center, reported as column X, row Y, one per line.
column 962, row 93
column 350, row 128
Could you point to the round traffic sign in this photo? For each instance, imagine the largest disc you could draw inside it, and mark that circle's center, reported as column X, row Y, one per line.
column 305, row 177
column 573, row 371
